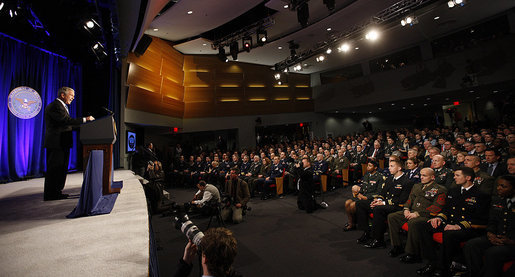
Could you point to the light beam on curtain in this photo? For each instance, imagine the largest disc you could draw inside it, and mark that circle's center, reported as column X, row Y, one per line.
column 21, row 140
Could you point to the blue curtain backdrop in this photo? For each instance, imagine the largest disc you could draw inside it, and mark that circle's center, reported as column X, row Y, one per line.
column 21, row 140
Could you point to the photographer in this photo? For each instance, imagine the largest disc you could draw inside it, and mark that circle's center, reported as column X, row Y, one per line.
column 306, row 198
column 218, row 248
column 206, row 197
column 237, row 192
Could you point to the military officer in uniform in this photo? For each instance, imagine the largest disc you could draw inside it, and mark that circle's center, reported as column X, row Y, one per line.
column 252, row 174
column 319, row 167
column 358, row 159
column 465, row 212
column 276, row 170
column 426, row 200
column 487, row 254
column 394, row 193
column 443, row 175
column 340, row 163
column 484, row 181
column 245, row 166
column 371, row 185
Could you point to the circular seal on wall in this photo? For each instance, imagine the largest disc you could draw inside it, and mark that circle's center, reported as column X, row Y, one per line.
column 24, row 102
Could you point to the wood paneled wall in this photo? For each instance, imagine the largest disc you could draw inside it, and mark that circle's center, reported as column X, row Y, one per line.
column 166, row 82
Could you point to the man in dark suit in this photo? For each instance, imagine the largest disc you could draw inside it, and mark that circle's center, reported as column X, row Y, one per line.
column 306, row 198
column 493, row 165
column 58, row 141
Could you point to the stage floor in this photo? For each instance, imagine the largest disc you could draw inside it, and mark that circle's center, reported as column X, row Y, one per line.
column 36, row 238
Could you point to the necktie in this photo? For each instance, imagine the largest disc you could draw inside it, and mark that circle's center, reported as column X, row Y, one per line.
column 66, row 107
column 490, row 169
column 509, row 204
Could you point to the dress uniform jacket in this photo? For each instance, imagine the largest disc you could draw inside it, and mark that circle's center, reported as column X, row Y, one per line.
column 414, row 175
column 444, row 177
column 372, row 184
column 320, row 167
column 254, row 169
column 389, row 149
column 396, row 192
column 360, row 158
column 426, row 200
column 276, row 170
column 485, row 183
column 467, row 210
column 502, row 220
column 245, row 167
column 340, row 163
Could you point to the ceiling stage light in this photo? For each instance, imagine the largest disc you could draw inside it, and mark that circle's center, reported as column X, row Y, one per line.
column 261, row 36
column 344, row 47
column 90, row 24
column 234, row 49
column 247, row 43
column 277, row 76
column 221, row 54
column 372, row 35
column 320, row 58
column 328, row 51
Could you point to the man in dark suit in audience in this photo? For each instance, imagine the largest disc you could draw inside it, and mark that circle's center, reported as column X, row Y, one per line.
column 493, row 165
column 58, row 141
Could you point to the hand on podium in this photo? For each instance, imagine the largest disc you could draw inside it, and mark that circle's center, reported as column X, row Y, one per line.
column 90, row 118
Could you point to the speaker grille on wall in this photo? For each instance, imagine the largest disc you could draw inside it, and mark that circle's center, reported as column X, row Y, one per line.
column 142, row 46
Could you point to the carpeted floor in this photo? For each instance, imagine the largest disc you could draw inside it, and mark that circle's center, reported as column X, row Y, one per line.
column 277, row 239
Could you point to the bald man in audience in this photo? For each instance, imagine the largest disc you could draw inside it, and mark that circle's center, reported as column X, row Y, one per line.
column 426, row 200
column 443, row 175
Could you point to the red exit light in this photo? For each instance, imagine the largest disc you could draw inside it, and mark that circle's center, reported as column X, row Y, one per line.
column 301, row 124
column 175, row 129
column 456, row 103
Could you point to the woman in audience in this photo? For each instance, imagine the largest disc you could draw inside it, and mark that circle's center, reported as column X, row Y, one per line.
column 404, row 147
column 460, row 160
column 413, row 170
column 263, row 173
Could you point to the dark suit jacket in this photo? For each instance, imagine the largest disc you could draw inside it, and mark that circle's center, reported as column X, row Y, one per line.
column 500, row 169
column 58, row 126
column 241, row 195
column 379, row 154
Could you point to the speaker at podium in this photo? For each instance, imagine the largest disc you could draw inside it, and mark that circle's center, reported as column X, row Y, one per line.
column 99, row 191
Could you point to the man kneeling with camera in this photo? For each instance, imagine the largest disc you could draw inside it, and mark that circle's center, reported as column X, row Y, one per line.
column 218, row 248
column 236, row 198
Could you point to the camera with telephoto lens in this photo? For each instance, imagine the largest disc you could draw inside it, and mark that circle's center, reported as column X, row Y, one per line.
column 189, row 229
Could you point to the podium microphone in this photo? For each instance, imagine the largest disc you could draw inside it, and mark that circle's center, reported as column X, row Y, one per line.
column 107, row 110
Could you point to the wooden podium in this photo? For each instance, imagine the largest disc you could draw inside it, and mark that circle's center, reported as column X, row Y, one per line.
column 100, row 134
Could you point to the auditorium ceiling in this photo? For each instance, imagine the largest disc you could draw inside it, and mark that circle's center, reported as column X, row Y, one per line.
column 193, row 26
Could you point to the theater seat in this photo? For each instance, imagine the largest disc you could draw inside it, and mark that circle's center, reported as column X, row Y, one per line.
column 364, row 169
column 345, row 177
column 438, row 237
column 405, row 227
column 507, row 265
column 323, row 182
